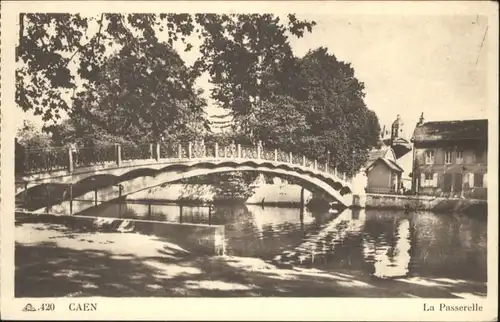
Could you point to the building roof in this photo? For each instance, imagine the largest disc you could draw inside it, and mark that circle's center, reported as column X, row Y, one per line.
column 375, row 154
column 382, row 154
column 451, row 131
column 391, row 164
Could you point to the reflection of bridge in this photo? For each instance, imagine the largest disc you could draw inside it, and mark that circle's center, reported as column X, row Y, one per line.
column 138, row 167
column 389, row 256
column 338, row 228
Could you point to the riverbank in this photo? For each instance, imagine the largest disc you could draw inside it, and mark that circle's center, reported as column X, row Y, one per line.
column 288, row 195
column 190, row 202
column 283, row 195
column 56, row 261
column 427, row 203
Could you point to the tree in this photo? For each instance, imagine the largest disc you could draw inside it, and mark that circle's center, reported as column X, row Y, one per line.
column 59, row 56
column 233, row 185
column 49, row 44
column 280, row 123
column 82, row 133
column 247, row 56
column 32, row 138
column 145, row 93
column 338, row 119
column 324, row 111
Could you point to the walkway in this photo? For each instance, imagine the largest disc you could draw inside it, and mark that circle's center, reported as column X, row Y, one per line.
column 135, row 168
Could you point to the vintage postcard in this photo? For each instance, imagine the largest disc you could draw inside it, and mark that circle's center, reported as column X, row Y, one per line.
column 287, row 160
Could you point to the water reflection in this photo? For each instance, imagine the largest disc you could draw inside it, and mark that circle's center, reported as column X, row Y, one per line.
column 386, row 244
column 389, row 253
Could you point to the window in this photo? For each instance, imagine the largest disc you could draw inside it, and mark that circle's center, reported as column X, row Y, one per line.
column 429, row 157
column 470, row 180
column 428, row 180
column 478, row 156
column 460, row 156
column 447, row 157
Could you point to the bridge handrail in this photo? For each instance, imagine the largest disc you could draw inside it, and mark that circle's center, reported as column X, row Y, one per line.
column 69, row 158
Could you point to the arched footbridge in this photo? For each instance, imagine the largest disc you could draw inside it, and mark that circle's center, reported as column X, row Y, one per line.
column 119, row 170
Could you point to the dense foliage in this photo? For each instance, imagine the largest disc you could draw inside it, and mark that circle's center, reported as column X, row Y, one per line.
column 339, row 121
column 31, row 138
column 60, row 52
column 324, row 112
column 144, row 93
column 247, row 57
column 119, row 78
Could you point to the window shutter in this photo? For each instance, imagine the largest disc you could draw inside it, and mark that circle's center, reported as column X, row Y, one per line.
column 422, row 179
column 435, row 179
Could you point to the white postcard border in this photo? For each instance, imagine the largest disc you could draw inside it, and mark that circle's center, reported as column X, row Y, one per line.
column 239, row 308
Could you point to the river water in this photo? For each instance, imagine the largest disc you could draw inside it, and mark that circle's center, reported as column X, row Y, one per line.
column 383, row 243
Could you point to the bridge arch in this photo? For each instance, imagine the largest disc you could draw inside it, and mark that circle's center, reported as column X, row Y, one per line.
column 178, row 172
column 105, row 169
column 133, row 180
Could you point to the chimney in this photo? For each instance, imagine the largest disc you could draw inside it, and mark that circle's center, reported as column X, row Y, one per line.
column 421, row 120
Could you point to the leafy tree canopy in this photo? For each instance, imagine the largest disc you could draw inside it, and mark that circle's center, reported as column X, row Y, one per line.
column 58, row 53
column 143, row 93
column 342, row 122
column 246, row 56
column 32, row 138
column 118, row 75
column 324, row 111
column 280, row 122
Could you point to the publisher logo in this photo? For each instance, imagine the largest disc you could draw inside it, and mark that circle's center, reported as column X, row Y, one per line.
column 29, row 308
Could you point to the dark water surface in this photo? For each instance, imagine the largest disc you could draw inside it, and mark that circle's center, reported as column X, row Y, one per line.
column 380, row 242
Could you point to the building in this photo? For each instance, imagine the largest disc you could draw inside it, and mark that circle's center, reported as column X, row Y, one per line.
column 384, row 174
column 382, row 171
column 396, row 139
column 450, row 158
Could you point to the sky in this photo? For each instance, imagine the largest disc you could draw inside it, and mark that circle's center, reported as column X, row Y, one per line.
column 409, row 64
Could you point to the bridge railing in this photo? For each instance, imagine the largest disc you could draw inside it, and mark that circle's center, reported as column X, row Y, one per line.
column 85, row 157
column 55, row 159
column 41, row 160
column 167, row 151
column 136, row 152
column 268, row 154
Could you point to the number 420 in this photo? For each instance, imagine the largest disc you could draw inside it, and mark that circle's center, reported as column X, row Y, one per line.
column 47, row 307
